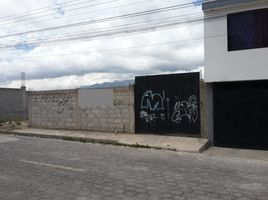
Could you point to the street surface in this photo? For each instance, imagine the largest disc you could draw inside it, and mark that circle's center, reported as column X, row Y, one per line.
column 45, row 169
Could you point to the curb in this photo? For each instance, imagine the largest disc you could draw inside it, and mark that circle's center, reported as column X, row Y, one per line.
column 205, row 147
column 89, row 140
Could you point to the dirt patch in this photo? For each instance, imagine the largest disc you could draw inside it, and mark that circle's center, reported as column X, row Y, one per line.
column 12, row 124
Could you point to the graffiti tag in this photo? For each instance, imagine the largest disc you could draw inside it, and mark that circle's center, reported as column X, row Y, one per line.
column 185, row 109
column 153, row 101
column 149, row 118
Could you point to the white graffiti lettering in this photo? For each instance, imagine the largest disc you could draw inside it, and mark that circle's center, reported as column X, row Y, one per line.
column 153, row 101
column 185, row 109
column 149, row 118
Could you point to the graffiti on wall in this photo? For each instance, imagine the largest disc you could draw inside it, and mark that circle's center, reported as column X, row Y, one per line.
column 57, row 103
column 167, row 103
column 62, row 104
column 185, row 109
column 156, row 106
column 153, row 101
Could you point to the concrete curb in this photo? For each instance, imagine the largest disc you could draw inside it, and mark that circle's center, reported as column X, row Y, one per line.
column 205, row 146
column 89, row 140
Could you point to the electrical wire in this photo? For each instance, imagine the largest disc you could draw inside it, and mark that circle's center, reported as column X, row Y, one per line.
column 83, row 13
column 109, row 33
column 89, row 6
column 124, row 28
column 124, row 48
column 124, row 31
column 129, row 15
column 40, row 10
column 34, row 17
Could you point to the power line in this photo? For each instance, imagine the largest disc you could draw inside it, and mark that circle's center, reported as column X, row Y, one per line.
column 123, row 28
column 55, row 7
column 36, row 17
column 75, row 14
column 124, row 48
column 130, row 15
column 135, row 30
column 39, row 10
column 107, row 37
column 110, row 33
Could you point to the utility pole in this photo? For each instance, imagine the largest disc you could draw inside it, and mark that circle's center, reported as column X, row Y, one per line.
column 23, row 82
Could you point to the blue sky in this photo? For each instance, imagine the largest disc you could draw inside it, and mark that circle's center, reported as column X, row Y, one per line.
column 197, row 2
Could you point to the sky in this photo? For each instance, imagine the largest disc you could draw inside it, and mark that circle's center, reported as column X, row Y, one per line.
column 143, row 45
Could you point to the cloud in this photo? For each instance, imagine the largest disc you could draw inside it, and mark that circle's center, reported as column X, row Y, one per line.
column 72, row 81
column 77, row 81
column 75, row 63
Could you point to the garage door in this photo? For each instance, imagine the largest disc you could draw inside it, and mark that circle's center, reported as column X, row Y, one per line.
column 241, row 114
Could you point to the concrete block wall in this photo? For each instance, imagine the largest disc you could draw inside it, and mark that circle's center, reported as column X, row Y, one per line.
column 53, row 109
column 61, row 110
column 116, row 117
column 13, row 103
column 105, row 118
column 204, row 107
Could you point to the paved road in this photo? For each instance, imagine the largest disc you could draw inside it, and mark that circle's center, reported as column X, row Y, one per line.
column 44, row 169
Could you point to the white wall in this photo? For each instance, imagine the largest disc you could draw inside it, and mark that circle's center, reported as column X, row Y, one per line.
column 221, row 65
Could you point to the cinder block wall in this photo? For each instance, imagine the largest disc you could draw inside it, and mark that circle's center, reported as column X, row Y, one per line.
column 119, row 116
column 13, row 103
column 204, row 110
column 53, row 109
column 93, row 109
column 82, row 110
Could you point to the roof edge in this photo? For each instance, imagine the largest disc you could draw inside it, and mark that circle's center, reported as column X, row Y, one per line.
column 218, row 4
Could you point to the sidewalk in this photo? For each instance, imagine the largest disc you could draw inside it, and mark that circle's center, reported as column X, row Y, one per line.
column 173, row 143
column 251, row 154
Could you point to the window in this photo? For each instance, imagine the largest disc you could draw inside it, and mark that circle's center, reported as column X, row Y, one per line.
column 248, row 30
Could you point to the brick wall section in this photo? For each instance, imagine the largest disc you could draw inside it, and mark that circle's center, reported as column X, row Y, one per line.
column 53, row 109
column 13, row 103
column 111, row 118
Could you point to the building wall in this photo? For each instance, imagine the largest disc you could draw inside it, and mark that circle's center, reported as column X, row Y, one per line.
column 224, row 66
column 221, row 65
column 81, row 109
column 13, row 103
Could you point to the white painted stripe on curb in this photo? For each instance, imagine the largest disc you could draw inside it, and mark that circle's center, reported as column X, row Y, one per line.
column 51, row 165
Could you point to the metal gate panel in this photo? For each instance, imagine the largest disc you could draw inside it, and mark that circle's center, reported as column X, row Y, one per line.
column 167, row 104
column 241, row 114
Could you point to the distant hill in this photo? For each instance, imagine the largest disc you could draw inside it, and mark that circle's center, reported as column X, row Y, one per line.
column 110, row 84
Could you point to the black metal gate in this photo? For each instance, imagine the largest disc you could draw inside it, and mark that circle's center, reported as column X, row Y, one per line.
column 241, row 114
column 167, row 104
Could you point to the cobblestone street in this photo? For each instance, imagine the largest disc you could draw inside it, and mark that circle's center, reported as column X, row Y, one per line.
column 45, row 169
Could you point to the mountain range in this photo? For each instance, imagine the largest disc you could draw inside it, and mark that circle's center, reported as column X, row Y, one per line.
column 113, row 84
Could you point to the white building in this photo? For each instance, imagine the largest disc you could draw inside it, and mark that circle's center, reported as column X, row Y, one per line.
column 236, row 70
